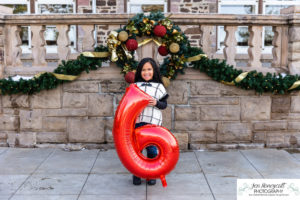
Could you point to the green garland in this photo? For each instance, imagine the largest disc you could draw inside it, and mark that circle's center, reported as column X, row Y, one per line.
column 47, row 80
column 216, row 69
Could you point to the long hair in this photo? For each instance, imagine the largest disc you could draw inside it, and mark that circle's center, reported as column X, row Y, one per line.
column 156, row 74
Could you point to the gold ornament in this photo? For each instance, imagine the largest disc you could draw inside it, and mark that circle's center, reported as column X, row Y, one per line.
column 178, row 37
column 166, row 81
column 167, row 23
column 174, row 47
column 126, row 68
column 174, row 31
column 132, row 28
column 145, row 20
column 123, row 36
column 152, row 22
column 146, row 29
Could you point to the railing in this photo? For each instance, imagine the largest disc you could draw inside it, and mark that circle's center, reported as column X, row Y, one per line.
column 284, row 52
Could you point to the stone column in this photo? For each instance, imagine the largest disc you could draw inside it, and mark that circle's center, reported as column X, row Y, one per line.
column 3, row 10
column 1, row 52
column 293, row 39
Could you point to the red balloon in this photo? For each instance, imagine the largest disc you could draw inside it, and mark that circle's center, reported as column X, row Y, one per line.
column 130, row 142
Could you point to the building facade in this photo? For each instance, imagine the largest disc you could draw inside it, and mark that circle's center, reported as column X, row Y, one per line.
column 202, row 113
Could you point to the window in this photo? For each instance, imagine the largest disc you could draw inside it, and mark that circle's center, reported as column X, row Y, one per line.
column 138, row 6
column 273, row 7
column 52, row 7
column 242, row 34
column 20, row 7
column 269, row 7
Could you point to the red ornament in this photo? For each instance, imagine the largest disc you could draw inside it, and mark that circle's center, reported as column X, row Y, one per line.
column 160, row 30
column 131, row 44
column 130, row 141
column 129, row 77
column 162, row 50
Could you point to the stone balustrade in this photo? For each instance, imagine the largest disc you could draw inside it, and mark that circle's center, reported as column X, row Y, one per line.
column 201, row 113
column 11, row 26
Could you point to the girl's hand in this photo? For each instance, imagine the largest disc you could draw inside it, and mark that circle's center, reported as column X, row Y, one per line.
column 153, row 102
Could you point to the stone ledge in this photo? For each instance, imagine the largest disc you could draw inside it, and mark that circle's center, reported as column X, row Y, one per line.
column 224, row 147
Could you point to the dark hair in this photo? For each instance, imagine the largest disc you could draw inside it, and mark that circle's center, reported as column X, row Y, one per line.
column 156, row 74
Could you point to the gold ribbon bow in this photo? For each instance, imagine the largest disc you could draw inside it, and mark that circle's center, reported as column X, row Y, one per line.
column 197, row 57
column 295, row 85
column 146, row 41
column 127, row 53
column 112, row 43
column 58, row 76
column 103, row 54
column 238, row 79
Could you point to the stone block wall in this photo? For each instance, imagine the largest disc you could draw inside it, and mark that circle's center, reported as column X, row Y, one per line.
column 201, row 113
column 84, row 6
column 193, row 6
column 102, row 6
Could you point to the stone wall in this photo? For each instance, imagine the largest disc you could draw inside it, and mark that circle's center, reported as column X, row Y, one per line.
column 201, row 113
column 193, row 6
column 102, row 6
column 84, row 6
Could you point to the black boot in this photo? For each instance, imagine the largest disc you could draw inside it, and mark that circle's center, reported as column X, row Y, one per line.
column 136, row 180
column 151, row 182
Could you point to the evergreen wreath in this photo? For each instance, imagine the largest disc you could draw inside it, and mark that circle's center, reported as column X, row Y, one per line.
column 120, row 49
column 163, row 32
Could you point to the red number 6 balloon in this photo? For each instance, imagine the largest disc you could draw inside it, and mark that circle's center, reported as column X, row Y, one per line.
column 130, row 142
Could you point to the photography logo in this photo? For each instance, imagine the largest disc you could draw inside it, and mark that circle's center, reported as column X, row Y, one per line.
column 268, row 189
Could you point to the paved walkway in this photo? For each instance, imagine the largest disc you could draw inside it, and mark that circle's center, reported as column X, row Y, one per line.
column 34, row 174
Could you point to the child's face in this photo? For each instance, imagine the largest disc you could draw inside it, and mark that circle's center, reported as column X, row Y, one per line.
column 147, row 71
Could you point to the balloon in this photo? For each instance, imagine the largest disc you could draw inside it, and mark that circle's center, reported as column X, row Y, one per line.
column 129, row 142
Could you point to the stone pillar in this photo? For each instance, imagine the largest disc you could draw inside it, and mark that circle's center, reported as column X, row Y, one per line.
column 293, row 38
column 1, row 52
column 3, row 10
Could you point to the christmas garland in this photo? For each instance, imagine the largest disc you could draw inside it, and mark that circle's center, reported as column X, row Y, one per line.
column 65, row 72
column 171, row 41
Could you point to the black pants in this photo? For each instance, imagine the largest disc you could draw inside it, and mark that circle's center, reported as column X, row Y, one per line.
column 151, row 150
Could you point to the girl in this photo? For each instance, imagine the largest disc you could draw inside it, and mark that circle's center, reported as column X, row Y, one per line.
column 148, row 79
